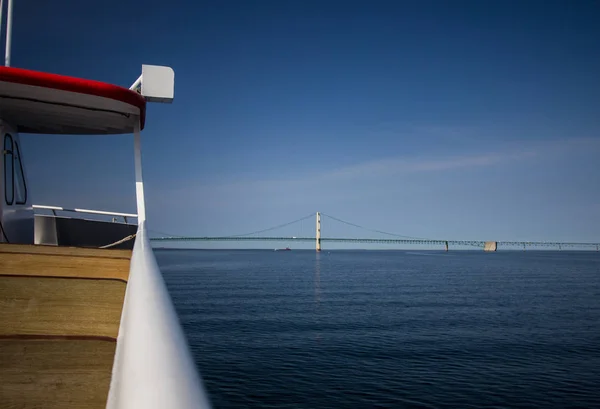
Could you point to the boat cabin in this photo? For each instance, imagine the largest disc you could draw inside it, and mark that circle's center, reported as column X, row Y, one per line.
column 86, row 320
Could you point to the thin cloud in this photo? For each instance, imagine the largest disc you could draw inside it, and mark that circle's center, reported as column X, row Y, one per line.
column 361, row 174
column 416, row 184
column 517, row 152
column 396, row 166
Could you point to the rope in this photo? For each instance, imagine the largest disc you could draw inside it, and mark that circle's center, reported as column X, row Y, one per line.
column 116, row 243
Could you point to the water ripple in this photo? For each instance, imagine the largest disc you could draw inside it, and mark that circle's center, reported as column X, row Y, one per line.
column 391, row 329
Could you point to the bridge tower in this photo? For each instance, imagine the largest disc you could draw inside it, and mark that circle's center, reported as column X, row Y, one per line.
column 318, row 231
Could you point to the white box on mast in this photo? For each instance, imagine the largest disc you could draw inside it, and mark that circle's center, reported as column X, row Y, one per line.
column 156, row 84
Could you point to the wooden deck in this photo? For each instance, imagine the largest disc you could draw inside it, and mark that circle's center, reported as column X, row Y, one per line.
column 60, row 310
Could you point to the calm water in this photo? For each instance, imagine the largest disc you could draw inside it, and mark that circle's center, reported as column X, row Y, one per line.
column 391, row 329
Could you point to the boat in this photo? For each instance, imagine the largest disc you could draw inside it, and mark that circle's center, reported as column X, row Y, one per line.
column 285, row 249
column 86, row 320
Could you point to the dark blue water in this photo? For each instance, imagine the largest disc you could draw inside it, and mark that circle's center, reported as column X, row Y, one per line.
column 391, row 329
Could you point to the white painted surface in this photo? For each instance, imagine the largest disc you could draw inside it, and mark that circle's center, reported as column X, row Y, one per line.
column 136, row 84
column 139, row 182
column 43, row 110
column 9, row 15
column 1, row 11
column 64, row 209
column 153, row 365
column 158, row 83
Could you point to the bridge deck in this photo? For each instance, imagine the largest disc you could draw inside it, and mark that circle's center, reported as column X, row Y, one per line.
column 60, row 310
column 399, row 241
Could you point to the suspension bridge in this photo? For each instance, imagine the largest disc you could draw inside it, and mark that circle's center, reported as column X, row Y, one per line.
column 395, row 239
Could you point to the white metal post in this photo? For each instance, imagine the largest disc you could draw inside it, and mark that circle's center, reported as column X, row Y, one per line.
column 139, row 183
column 8, row 33
column 1, row 11
column 136, row 84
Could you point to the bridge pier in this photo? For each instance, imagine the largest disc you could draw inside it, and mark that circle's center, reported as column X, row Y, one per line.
column 490, row 246
column 318, row 236
column 446, row 246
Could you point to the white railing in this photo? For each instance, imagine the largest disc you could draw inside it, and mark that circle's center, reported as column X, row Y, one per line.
column 153, row 365
column 88, row 211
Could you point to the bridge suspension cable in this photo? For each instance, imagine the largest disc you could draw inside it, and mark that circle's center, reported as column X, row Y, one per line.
column 373, row 230
column 174, row 236
column 274, row 227
column 163, row 234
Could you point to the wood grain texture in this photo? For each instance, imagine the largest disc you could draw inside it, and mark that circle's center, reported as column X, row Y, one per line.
column 60, row 306
column 63, row 266
column 55, row 373
column 64, row 251
column 60, row 310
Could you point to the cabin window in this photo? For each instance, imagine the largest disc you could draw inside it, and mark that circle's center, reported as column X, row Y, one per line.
column 19, row 182
column 15, row 188
column 9, row 176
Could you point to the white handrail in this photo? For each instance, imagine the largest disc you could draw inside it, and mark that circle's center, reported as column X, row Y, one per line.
column 153, row 366
column 102, row 212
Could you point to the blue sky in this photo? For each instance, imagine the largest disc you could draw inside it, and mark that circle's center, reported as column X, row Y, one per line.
column 462, row 120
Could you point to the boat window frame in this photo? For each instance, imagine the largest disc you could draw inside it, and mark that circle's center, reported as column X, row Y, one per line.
column 10, row 152
column 17, row 155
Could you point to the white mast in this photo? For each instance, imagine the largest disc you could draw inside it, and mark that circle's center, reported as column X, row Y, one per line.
column 1, row 11
column 8, row 33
